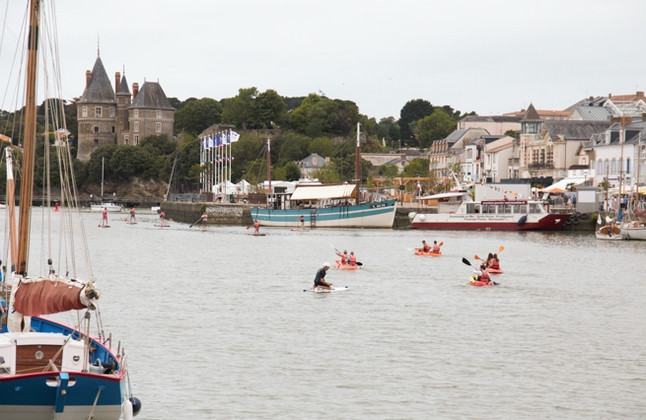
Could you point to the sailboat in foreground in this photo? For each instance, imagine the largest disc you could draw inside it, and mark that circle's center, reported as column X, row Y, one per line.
column 50, row 370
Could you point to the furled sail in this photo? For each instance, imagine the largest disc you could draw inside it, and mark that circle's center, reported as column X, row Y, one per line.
column 51, row 295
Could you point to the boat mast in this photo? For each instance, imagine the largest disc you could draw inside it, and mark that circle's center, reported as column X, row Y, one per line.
column 357, row 166
column 102, row 175
column 29, row 142
column 269, row 164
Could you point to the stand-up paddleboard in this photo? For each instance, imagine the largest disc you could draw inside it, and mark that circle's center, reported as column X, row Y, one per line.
column 161, row 225
column 321, row 290
column 299, row 230
column 258, row 234
column 106, row 226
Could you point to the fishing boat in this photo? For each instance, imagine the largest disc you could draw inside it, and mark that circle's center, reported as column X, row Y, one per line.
column 48, row 369
column 457, row 211
column 327, row 206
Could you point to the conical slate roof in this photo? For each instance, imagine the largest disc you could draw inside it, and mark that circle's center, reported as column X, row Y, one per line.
column 99, row 90
column 151, row 95
column 531, row 114
column 123, row 86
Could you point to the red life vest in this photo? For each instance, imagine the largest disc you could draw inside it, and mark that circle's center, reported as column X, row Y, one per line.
column 353, row 260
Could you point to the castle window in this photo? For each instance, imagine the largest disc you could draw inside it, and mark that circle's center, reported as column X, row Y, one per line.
column 159, row 114
column 135, row 113
column 112, row 112
column 95, row 129
column 136, row 139
column 136, row 127
column 96, row 142
column 126, row 140
column 113, row 129
column 98, row 112
column 158, row 127
column 84, row 111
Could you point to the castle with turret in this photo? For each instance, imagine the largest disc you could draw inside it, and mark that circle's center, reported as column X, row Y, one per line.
column 105, row 117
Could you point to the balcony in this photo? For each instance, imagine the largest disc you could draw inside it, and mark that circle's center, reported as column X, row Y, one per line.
column 539, row 166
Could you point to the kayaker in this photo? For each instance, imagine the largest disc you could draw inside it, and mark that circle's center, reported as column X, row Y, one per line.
column 344, row 256
column 319, row 280
column 425, row 247
column 495, row 262
column 483, row 275
column 490, row 260
column 436, row 248
column 352, row 259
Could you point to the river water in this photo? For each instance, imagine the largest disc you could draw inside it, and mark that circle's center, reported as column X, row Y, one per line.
column 217, row 325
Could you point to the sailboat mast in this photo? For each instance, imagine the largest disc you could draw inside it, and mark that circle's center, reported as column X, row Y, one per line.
column 29, row 142
column 357, row 166
column 102, row 175
column 269, row 163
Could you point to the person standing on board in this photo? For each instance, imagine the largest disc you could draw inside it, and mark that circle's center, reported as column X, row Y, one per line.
column 319, row 280
column 256, row 227
column 104, row 217
column 203, row 220
column 132, row 216
column 162, row 218
column 301, row 221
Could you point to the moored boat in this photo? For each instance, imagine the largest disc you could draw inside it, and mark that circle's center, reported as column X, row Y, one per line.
column 634, row 230
column 610, row 232
column 466, row 214
column 50, row 370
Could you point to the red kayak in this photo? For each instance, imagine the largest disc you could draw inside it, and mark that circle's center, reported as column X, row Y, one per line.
column 473, row 281
column 427, row 254
column 338, row 264
column 494, row 270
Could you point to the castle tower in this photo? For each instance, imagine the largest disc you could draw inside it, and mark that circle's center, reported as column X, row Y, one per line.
column 124, row 100
column 96, row 112
column 150, row 114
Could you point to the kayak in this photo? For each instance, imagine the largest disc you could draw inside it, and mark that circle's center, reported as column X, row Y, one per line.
column 473, row 281
column 322, row 290
column 494, row 270
column 427, row 254
column 341, row 266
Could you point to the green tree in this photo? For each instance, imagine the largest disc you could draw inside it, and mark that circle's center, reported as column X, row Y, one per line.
column 269, row 110
column 417, row 167
column 388, row 171
column 323, row 146
column 436, row 126
column 412, row 111
column 388, row 129
column 291, row 147
column 292, row 171
column 197, row 115
column 239, row 110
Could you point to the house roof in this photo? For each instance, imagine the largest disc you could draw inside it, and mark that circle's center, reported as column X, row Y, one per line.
column 123, row 86
column 592, row 113
column 99, row 89
column 313, row 161
column 151, row 95
column 574, row 130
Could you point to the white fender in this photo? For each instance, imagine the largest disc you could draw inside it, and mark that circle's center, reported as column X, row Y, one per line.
column 411, row 215
column 126, row 409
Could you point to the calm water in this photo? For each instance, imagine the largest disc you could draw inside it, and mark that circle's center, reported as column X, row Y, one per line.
column 217, row 326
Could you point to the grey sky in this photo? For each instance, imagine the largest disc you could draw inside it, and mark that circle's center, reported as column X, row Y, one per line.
column 489, row 56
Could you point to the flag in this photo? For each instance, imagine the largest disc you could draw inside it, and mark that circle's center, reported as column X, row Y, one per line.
column 204, row 143
column 209, row 142
column 234, row 137
column 218, row 141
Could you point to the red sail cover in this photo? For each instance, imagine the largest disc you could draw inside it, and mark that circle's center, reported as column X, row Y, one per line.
column 46, row 297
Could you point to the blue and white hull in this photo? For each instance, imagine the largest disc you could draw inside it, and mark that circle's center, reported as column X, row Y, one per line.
column 76, row 384
column 379, row 214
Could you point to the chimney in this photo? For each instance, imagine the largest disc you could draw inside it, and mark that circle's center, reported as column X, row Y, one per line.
column 609, row 95
column 640, row 94
column 117, row 81
column 88, row 77
column 135, row 90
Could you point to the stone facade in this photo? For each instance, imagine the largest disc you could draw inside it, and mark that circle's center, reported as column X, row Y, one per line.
column 105, row 117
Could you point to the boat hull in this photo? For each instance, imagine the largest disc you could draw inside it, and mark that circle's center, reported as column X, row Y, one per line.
column 111, row 207
column 550, row 221
column 634, row 231
column 68, row 393
column 367, row 215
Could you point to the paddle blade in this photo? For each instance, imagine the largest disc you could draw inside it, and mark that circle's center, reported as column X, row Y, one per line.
column 465, row 261
column 502, row 248
column 248, row 227
column 359, row 263
column 441, row 243
column 476, row 257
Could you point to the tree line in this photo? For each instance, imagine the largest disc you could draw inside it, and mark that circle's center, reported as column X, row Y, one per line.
column 300, row 126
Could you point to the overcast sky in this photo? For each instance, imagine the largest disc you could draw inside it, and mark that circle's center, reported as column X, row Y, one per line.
column 487, row 56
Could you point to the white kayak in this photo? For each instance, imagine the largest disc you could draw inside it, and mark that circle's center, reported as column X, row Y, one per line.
column 321, row 290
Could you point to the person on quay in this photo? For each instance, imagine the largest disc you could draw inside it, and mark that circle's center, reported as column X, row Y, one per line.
column 319, row 279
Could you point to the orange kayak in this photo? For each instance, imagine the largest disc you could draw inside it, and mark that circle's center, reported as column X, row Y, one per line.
column 427, row 254
column 342, row 266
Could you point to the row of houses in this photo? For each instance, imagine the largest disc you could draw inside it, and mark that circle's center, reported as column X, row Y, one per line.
column 595, row 140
